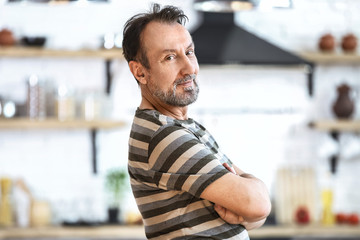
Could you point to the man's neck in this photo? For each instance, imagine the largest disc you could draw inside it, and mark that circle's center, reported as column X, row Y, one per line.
column 179, row 113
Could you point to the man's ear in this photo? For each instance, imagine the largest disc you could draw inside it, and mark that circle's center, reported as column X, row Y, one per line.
column 138, row 71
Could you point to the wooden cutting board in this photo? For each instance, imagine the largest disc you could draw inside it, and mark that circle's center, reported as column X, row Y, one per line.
column 295, row 186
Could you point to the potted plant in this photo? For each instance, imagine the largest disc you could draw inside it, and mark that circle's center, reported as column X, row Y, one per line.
column 116, row 185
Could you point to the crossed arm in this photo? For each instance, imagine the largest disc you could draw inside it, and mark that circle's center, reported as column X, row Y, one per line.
column 239, row 198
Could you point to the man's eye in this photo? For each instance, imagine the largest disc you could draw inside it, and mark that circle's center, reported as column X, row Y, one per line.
column 170, row 57
column 190, row 52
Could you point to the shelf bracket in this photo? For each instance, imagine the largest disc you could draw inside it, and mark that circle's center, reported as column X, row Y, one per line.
column 334, row 158
column 94, row 150
column 108, row 76
column 94, row 131
column 310, row 78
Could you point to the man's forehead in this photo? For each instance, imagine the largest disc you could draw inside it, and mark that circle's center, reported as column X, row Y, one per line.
column 166, row 36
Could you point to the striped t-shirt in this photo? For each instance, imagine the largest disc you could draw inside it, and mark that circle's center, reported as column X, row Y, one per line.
column 170, row 163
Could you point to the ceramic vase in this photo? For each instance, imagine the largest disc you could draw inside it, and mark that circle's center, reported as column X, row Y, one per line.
column 343, row 106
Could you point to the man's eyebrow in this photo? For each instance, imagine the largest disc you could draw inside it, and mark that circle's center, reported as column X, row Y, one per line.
column 173, row 50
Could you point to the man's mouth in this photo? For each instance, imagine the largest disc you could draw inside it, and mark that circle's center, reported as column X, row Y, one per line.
column 186, row 82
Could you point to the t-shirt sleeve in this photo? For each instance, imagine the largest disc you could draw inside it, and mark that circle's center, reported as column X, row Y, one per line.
column 180, row 161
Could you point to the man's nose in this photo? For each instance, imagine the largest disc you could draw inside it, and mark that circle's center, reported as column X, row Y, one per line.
column 189, row 66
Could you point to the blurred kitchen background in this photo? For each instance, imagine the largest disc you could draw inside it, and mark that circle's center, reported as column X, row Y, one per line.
column 259, row 114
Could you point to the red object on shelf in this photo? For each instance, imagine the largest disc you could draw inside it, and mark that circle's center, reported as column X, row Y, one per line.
column 302, row 215
column 349, row 43
column 327, row 42
column 353, row 219
column 6, row 38
column 341, row 218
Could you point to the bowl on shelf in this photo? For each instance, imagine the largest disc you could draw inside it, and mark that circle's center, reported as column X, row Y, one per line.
column 36, row 41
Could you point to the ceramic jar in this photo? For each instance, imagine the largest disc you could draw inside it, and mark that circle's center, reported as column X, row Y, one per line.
column 343, row 106
column 327, row 42
column 6, row 37
column 349, row 43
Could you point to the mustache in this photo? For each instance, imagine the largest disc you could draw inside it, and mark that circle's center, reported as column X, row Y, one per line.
column 186, row 78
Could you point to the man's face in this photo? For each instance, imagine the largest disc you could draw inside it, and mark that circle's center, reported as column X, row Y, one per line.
column 173, row 64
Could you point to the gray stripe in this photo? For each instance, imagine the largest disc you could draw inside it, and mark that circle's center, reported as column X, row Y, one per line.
column 143, row 130
column 138, row 151
column 163, row 157
column 151, row 206
column 182, row 220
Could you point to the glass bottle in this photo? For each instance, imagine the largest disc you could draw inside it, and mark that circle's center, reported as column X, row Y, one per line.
column 6, row 217
column 327, row 198
column 36, row 104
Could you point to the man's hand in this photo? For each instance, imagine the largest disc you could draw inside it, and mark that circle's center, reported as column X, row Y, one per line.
column 227, row 215
column 230, row 169
column 232, row 218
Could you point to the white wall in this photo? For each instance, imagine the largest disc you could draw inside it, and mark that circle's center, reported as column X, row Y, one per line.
column 57, row 164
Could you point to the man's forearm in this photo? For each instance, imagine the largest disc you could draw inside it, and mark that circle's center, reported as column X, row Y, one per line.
column 246, row 175
column 259, row 183
column 253, row 225
column 245, row 196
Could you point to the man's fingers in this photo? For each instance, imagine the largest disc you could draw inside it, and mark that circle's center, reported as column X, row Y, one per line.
column 227, row 166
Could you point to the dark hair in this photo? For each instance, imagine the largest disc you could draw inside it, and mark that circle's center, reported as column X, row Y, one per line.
column 131, row 45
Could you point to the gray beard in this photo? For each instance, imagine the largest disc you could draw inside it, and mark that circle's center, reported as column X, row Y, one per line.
column 181, row 100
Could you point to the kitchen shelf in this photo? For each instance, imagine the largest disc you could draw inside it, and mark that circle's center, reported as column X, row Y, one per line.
column 108, row 55
column 331, row 58
column 336, row 125
column 25, row 123
column 23, row 52
column 93, row 126
column 137, row 232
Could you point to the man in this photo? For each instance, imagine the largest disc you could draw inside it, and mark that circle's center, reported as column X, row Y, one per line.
column 184, row 186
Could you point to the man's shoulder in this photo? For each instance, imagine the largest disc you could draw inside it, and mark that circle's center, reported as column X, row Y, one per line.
column 152, row 117
column 151, row 121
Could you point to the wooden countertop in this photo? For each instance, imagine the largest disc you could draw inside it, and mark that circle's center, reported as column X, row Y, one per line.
column 137, row 232
column 116, row 231
column 307, row 230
